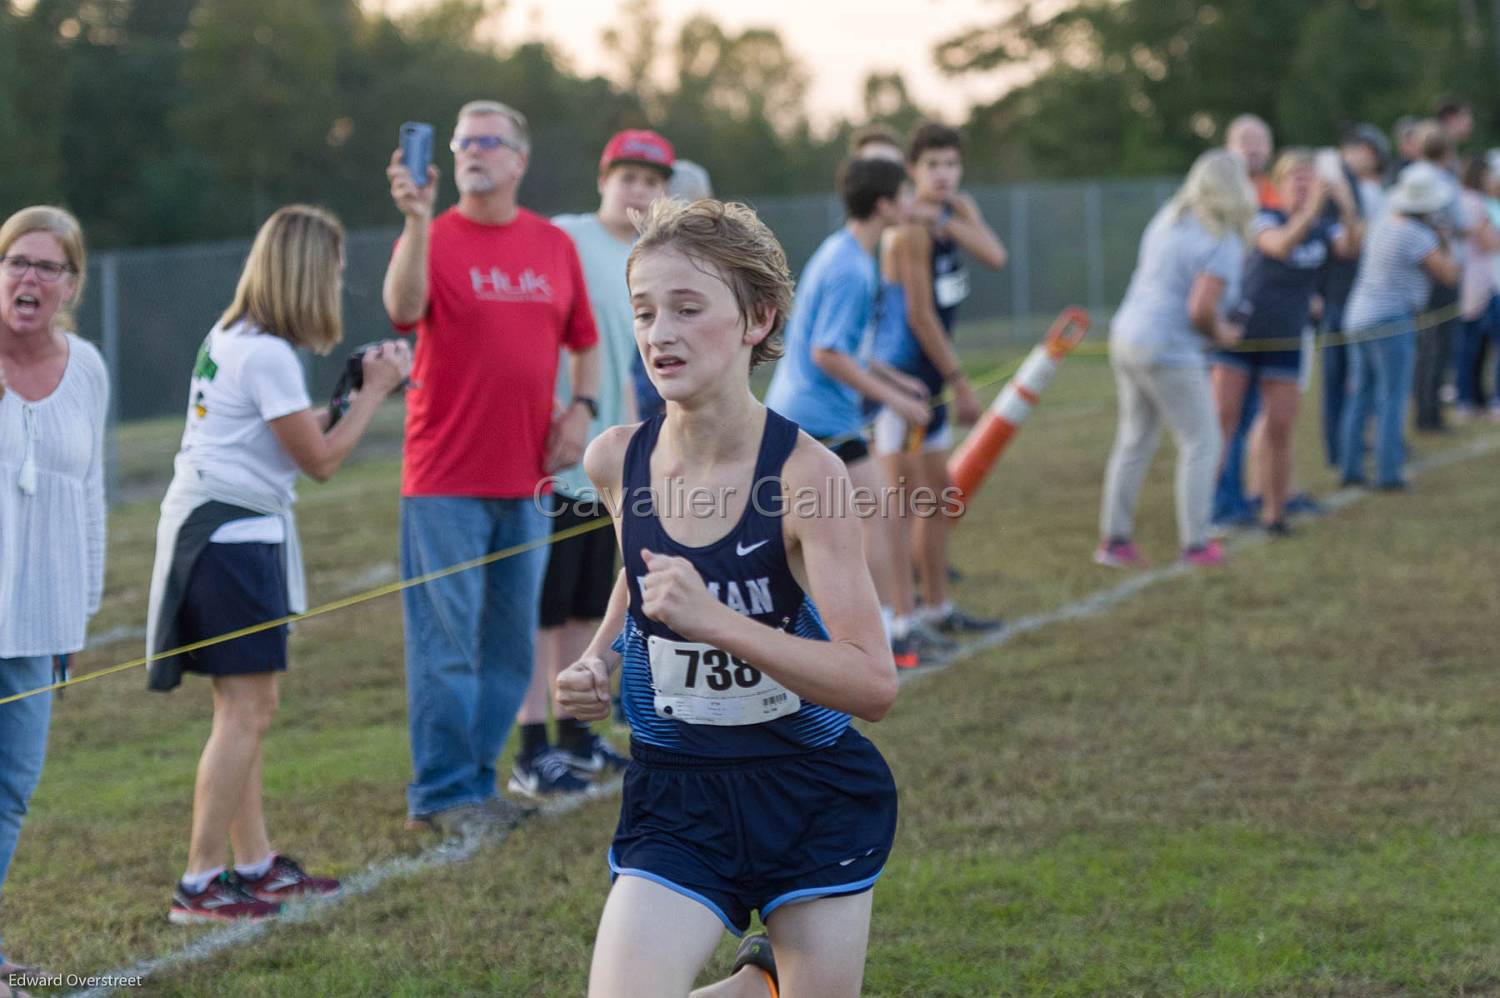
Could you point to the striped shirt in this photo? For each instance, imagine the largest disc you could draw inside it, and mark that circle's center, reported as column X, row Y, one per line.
column 1391, row 281
column 52, row 509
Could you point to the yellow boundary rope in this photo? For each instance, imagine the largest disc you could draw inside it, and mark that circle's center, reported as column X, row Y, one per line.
column 1000, row 375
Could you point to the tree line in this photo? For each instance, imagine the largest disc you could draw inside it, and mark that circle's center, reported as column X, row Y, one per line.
column 165, row 121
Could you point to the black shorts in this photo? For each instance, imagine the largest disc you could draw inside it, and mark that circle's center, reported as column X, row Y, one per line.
column 233, row 586
column 743, row 835
column 850, row 450
column 580, row 569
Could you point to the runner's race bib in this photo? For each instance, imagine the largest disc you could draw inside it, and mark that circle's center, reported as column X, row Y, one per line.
column 700, row 684
column 951, row 288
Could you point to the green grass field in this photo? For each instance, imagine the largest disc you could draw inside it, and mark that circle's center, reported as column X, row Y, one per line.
column 1275, row 778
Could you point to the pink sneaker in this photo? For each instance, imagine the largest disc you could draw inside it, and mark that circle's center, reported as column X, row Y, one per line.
column 1119, row 554
column 1208, row 555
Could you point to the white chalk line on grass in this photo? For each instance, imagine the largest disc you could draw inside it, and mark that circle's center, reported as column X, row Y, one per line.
column 457, row 851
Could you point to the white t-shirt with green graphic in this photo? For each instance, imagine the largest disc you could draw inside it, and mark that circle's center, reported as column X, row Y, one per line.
column 243, row 378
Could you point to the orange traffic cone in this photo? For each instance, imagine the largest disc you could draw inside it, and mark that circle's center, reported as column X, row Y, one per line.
column 972, row 461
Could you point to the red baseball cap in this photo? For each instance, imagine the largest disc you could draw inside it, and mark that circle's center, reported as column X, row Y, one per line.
column 638, row 145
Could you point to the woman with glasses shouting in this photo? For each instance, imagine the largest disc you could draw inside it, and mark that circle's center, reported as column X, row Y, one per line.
column 53, row 395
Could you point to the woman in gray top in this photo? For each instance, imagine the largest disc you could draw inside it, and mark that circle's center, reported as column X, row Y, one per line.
column 1188, row 269
column 1406, row 252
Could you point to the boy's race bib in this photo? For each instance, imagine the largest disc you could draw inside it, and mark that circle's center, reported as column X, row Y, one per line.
column 700, row 684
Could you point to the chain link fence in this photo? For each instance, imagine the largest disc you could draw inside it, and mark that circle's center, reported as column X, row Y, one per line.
column 149, row 309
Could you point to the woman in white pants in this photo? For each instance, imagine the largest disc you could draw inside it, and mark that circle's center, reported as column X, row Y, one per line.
column 1188, row 269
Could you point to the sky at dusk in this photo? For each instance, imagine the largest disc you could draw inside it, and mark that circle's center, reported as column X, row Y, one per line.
column 839, row 42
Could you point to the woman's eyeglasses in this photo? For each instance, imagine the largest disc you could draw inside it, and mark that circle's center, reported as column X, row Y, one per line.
column 47, row 271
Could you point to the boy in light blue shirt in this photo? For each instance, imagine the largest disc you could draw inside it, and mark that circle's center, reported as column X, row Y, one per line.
column 826, row 376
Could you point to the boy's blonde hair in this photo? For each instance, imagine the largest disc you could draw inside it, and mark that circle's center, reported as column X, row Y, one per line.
column 738, row 246
column 290, row 285
column 58, row 222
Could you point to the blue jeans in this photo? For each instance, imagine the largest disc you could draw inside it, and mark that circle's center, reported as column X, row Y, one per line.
column 468, row 640
column 1335, row 380
column 23, row 746
column 1380, row 382
column 1230, row 504
column 1470, row 345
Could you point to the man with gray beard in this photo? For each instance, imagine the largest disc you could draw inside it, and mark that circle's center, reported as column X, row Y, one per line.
column 494, row 293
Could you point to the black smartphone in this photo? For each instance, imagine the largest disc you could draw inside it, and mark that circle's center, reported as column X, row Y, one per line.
column 416, row 150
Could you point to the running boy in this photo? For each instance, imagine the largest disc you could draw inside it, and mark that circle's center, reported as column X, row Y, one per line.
column 925, row 282
column 744, row 651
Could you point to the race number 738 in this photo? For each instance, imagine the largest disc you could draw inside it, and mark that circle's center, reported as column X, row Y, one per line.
column 720, row 670
column 700, row 684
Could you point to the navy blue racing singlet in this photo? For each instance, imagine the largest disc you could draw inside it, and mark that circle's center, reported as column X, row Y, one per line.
column 950, row 278
column 895, row 343
column 691, row 698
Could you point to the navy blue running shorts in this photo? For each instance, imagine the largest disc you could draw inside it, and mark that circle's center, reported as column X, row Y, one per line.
column 743, row 835
column 233, row 586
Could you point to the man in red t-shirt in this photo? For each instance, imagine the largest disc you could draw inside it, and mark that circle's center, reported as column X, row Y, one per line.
column 494, row 292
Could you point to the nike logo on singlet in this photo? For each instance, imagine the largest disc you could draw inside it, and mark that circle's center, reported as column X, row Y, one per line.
column 742, row 550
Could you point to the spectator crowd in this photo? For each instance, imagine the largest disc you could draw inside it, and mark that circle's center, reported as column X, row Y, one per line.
column 536, row 340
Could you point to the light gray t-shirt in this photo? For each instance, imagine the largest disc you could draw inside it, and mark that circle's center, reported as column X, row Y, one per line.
column 1152, row 325
column 603, row 256
column 1391, row 281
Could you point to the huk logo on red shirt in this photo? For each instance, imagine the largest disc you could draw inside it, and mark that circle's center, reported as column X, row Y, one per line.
column 496, row 285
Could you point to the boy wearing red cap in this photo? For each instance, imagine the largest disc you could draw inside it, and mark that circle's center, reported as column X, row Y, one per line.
column 633, row 173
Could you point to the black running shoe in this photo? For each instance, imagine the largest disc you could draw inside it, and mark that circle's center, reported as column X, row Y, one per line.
column 545, row 774
column 597, row 757
column 904, row 651
column 962, row 622
column 755, row 951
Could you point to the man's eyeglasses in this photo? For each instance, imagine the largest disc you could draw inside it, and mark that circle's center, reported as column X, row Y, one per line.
column 488, row 143
column 47, row 271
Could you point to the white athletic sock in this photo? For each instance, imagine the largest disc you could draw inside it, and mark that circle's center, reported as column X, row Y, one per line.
column 900, row 626
column 254, row 871
column 197, row 882
column 887, row 617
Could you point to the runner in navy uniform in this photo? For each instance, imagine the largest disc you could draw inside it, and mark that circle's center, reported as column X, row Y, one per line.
column 745, row 649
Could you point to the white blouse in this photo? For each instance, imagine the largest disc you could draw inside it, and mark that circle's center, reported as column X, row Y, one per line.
column 52, row 509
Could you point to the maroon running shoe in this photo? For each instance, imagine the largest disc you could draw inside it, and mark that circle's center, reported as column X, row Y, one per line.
column 286, row 880
column 223, row 900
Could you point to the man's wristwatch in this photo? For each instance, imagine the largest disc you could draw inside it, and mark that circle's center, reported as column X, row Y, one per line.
column 589, row 404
